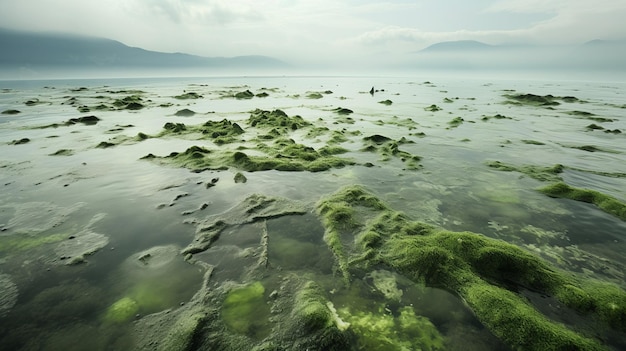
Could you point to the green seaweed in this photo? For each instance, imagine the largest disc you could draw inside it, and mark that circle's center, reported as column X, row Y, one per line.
column 486, row 273
column 533, row 100
column 455, row 122
column 63, row 152
column 188, row 95
column 343, row 111
column 244, row 95
column 388, row 149
column 605, row 202
column 276, row 119
column 240, row 178
column 314, row 96
column 386, row 102
column 20, row 141
column 185, row 112
column 536, row 172
column 433, row 108
column 131, row 102
column 123, row 310
column 384, row 331
column 532, row 142
column 14, row 243
column 245, row 311
column 11, row 112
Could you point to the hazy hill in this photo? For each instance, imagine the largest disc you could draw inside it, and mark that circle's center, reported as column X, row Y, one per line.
column 467, row 54
column 37, row 50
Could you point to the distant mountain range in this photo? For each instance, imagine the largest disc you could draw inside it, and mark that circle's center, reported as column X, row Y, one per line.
column 32, row 50
column 469, row 54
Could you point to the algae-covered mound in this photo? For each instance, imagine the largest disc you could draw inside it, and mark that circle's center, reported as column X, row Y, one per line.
column 488, row 274
column 276, row 119
column 532, row 99
column 605, row 202
column 388, row 148
column 281, row 155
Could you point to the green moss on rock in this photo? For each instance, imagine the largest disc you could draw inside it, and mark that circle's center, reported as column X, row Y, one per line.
column 605, row 202
column 486, row 273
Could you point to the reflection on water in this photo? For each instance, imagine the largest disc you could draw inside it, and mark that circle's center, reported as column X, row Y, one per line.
column 48, row 200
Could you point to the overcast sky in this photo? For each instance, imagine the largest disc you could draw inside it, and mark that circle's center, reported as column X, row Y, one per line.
column 322, row 30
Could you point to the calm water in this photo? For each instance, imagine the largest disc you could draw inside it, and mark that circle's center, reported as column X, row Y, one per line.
column 137, row 205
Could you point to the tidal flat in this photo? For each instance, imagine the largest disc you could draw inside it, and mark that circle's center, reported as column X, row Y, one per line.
column 312, row 213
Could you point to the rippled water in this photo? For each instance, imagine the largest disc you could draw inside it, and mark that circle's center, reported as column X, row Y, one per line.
column 139, row 205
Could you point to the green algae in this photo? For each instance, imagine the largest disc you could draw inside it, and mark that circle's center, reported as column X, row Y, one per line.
column 486, row 273
column 550, row 174
column 343, row 111
column 11, row 112
column 532, row 142
column 532, row 99
column 496, row 116
column 314, row 96
column 63, row 152
column 605, row 202
column 20, row 141
column 14, row 243
column 131, row 102
column 388, row 149
column 386, row 102
column 221, row 132
column 240, row 178
column 310, row 308
column 188, row 96
column 455, row 122
column 282, row 155
column 185, row 112
column 276, row 119
column 245, row 311
column 384, row 331
column 247, row 94
column 123, row 310
column 433, row 108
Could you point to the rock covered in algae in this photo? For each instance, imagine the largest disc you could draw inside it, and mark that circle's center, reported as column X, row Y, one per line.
column 471, row 265
column 605, row 202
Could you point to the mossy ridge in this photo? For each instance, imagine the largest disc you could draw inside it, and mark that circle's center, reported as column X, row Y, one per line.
column 471, row 265
column 549, row 174
column 282, row 155
column 532, row 99
column 605, row 202
column 276, row 120
column 221, row 132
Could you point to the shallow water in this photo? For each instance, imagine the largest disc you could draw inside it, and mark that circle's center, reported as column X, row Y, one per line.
column 55, row 197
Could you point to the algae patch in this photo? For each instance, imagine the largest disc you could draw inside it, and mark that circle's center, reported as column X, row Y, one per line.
column 605, row 202
column 244, row 310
